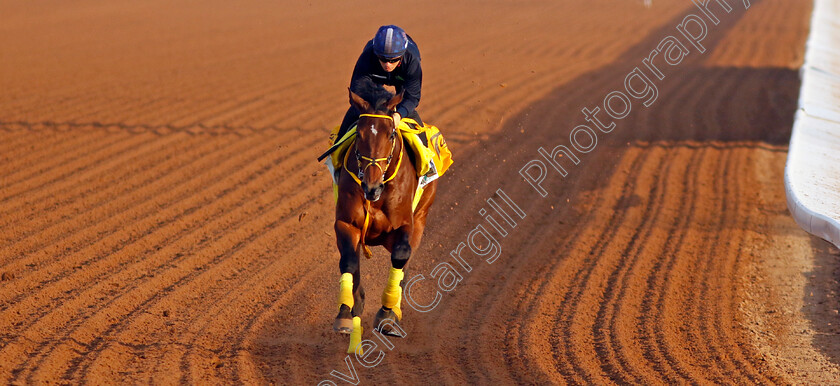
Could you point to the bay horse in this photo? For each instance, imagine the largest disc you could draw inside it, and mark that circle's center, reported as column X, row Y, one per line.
column 376, row 189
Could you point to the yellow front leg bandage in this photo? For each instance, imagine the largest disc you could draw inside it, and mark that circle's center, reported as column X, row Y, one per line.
column 356, row 336
column 392, row 295
column 345, row 292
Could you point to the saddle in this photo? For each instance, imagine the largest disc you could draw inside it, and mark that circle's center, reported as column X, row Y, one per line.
column 425, row 143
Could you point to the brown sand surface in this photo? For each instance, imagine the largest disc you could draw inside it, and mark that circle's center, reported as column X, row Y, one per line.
column 162, row 218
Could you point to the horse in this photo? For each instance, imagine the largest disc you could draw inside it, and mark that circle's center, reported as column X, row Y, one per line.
column 374, row 207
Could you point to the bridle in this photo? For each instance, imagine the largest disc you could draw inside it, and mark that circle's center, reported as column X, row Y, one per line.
column 376, row 161
column 361, row 173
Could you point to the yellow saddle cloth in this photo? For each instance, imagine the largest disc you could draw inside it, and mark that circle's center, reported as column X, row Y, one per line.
column 425, row 142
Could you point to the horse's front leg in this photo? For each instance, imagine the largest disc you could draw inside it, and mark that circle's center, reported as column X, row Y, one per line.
column 351, row 296
column 391, row 313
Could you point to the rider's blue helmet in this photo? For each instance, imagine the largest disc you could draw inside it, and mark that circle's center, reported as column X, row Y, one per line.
column 390, row 42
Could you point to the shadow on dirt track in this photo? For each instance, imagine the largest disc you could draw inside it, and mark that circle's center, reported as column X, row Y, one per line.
column 822, row 298
column 697, row 105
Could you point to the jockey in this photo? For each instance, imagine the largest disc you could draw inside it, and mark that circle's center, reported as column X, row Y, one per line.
column 390, row 58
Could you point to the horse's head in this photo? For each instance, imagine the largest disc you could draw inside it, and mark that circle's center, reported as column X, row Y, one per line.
column 375, row 142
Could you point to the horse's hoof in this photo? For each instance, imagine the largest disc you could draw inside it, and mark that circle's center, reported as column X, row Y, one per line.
column 387, row 328
column 344, row 321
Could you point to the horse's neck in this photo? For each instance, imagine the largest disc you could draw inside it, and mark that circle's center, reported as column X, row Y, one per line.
column 400, row 152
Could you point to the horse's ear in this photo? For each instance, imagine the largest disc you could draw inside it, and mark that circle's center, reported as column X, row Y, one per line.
column 394, row 101
column 358, row 102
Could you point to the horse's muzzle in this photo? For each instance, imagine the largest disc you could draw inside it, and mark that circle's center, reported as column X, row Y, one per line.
column 372, row 194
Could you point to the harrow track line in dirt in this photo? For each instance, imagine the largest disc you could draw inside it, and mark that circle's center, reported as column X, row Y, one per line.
column 257, row 94
column 613, row 358
column 602, row 265
column 158, row 225
column 36, row 106
column 160, row 110
column 243, row 109
column 198, row 115
column 487, row 310
column 162, row 224
column 87, row 106
column 153, row 273
column 101, row 193
column 188, row 211
column 288, row 297
column 101, row 338
column 255, row 277
column 724, row 325
column 281, row 245
column 570, row 367
column 682, row 93
column 161, row 130
column 85, row 208
column 77, row 171
column 66, row 109
column 599, row 250
column 523, row 82
column 688, row 98
column 658, row 248
column 146, row 198
column 710, row 119
column 113, row 107
column 300, row 116
column 28, row 155
column 58, row 164
column 253, row 268
column 724, row 355
column 83, row 203
column 480, row 308
column 720, row 356
column 698, row 339
column 70, row 197
column 516, row 94
column 270, row 117
column 738, row 269
column 208, row 317
column 657, row 348
column 157, row 112
column 20, row 149
column 538, row 286
column 236, row 309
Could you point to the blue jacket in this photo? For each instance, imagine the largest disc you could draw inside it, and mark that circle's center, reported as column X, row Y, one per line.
column 406, row 78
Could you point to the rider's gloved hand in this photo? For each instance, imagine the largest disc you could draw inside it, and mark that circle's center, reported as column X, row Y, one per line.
column 397, row 119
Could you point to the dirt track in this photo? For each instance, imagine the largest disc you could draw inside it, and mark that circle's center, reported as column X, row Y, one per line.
column 163, row 218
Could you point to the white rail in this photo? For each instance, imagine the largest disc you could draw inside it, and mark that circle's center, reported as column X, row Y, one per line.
column 812, row 173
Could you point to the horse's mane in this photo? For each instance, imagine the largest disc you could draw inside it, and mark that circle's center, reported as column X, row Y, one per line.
column 373, row 93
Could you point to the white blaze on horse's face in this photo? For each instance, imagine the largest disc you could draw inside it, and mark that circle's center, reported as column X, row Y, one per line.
column 373, row 158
